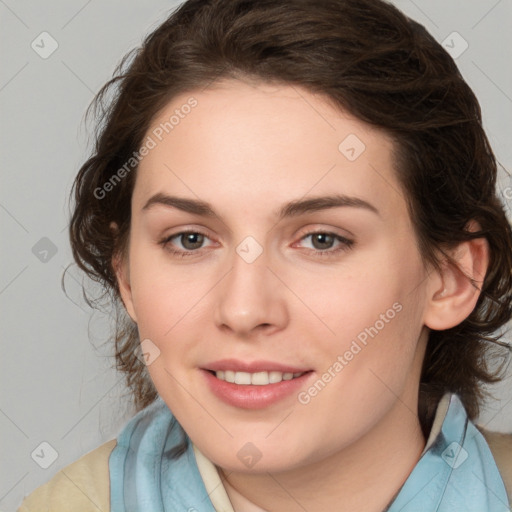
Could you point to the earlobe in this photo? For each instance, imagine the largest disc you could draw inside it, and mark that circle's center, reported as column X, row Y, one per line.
column 120, row 265
column 453, row 291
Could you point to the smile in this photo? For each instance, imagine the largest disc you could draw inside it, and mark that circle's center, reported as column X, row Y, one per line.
column 256, row 379
column 256, row 384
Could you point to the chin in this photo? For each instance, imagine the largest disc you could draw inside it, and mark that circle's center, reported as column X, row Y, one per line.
column 253, row 458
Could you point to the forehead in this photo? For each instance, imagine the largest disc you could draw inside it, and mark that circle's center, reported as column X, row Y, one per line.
column 264, row 144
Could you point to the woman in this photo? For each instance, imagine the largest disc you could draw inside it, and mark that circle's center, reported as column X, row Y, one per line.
column 295, row 203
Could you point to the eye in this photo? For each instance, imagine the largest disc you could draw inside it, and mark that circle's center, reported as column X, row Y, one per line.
column 184, row 243
column 325, row 243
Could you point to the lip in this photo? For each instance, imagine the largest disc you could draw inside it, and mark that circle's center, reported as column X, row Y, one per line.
column 252, row 367
column 253, row 396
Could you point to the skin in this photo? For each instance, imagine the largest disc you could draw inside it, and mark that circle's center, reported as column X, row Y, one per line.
column 247, row 149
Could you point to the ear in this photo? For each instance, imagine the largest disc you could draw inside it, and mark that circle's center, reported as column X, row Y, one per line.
column 451, row 294
column 121, row 268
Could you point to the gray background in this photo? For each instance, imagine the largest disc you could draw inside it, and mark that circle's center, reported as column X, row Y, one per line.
column 56, row 377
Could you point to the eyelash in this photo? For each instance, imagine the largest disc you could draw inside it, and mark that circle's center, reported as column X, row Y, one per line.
column 345, row 244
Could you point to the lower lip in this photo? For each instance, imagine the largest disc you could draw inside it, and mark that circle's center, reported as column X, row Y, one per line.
column 251, row 396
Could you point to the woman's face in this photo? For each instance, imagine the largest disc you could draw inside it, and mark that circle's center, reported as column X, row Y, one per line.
column 300, row 262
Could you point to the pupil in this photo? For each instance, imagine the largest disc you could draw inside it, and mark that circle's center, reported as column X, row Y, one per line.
column 324, row 239
column 192, row 240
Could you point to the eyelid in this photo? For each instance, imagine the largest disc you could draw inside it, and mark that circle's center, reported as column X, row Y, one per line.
column 168, row 238
column 322, row 228
column 325, row 230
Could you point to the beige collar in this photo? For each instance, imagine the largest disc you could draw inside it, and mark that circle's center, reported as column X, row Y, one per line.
column 212, row 482
column 442, row 409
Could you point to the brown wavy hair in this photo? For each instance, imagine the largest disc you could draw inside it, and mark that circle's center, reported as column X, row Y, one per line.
column 367, row 58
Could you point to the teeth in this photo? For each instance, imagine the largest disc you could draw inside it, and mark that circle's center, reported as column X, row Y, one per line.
column 274, row 377
column 256, row 379
column 242, row 378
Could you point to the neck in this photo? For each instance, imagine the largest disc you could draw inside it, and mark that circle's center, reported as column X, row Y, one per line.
column 364, row 476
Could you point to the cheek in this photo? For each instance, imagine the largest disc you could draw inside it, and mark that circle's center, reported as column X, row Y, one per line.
column 163, row 294
column 372, row 313
column 352, row 299
column 369, row 361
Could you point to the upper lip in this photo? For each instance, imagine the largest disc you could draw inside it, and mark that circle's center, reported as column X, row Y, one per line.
column 252, row 367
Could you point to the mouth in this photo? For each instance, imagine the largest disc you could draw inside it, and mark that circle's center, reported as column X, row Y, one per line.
column 254, row 385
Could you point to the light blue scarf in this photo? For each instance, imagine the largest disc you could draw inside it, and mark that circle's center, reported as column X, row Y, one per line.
column 456, row 474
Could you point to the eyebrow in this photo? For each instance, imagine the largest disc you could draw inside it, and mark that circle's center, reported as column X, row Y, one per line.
column 291, row 209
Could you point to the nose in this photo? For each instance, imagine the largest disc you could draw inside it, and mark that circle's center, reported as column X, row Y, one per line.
column 250, row 299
